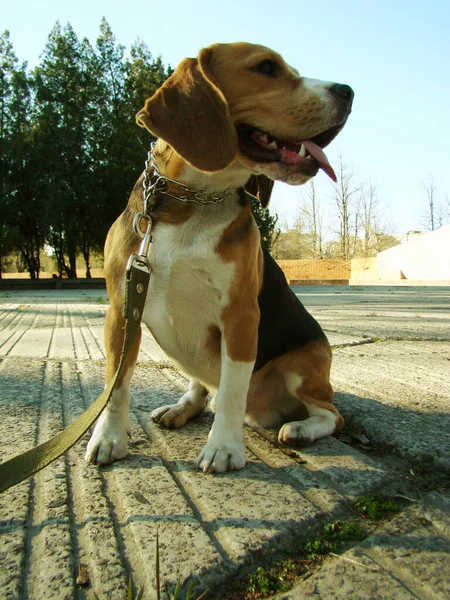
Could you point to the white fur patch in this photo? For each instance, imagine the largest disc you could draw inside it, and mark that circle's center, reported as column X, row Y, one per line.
column 320, row 423
column 189, row 286
column 317, row 85
column 225, row 450
column 110, row 438
column 293, row 382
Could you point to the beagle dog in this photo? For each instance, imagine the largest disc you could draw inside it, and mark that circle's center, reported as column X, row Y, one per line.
column 217, row 303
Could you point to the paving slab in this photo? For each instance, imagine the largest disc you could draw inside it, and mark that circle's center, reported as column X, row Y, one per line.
column 402, row 559
column 398, row 392
column 106, row 520
column 415, row 313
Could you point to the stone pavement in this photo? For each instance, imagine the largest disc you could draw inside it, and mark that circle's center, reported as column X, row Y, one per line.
column 391, row 374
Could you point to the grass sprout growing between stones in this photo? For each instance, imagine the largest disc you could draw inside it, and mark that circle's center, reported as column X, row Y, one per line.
column 301, row 559
column 177, row 592
column 375, row 507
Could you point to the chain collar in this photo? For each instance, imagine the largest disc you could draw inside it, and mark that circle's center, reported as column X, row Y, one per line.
column 154, row 183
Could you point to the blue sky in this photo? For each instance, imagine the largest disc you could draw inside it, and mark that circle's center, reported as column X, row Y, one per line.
column 395, row 55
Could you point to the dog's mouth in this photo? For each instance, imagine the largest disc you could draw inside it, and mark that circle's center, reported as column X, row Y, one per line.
column 262, row 147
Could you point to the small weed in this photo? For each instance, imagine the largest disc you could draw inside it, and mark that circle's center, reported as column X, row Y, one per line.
column 177, row 593
column 263, row 583
column 140, row 593
column 318, row 547
column 302, row 558
column 100, row 300
column 344, row 531
column 372, row 315
column 375, row 506
column 332, row 537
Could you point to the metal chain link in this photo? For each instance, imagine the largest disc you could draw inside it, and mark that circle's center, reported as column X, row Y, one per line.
column 154, row 183
column 160, row 184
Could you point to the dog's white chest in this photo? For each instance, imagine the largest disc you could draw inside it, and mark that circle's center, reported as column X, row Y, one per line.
column 189, row 286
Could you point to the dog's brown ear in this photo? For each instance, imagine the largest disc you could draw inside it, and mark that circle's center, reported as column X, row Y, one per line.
column 261, row 187
column 191, row 114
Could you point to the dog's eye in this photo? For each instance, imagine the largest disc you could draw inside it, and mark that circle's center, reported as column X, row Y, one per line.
column 267, row 67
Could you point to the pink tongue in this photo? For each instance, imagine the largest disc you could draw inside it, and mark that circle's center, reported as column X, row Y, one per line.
column 317, row 153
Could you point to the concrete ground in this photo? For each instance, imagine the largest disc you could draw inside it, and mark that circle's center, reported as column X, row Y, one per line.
column 391, row 374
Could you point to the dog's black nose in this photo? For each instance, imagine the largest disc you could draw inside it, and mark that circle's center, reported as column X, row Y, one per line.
column 343, row 91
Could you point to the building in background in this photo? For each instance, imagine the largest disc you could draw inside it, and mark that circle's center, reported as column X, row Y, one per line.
column 423, row 259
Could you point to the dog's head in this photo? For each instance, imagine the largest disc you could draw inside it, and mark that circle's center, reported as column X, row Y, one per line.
column 243, row 102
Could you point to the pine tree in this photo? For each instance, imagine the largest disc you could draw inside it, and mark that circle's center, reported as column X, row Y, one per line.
column 265, row 221
column 8, row 63
column 23, row 225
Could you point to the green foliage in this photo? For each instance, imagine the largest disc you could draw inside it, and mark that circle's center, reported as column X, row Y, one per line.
column 279, row 576
column 331, row 538
column 375, row 506
column 20, row 207
column 139, row 595
column 180, row 593
column 265, row 221
column 70, row 150
column 266, row 582
column 318, row 547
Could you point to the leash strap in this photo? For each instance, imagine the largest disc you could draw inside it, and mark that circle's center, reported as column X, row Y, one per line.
column 24, row 465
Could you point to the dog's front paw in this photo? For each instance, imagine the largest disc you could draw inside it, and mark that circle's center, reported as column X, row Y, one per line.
column 109, row 442
column 170, row 416
column 222, row 455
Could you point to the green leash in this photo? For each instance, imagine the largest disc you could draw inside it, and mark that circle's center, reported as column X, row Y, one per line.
column 20, row 467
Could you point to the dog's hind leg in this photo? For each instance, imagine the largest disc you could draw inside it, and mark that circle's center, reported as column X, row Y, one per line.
column 191, row 404
column 306, row 375
column 109, row 439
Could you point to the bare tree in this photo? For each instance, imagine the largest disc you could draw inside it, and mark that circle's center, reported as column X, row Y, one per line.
column 433, row 217
column 312, row 217
column 346, row 197
column 370, row 204
column 294, row 242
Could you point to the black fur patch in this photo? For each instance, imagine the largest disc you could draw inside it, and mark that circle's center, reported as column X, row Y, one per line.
column 285, row 324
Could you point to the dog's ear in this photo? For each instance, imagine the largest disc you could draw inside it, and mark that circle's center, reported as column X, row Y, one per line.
column 191, row 114
column 261, row 187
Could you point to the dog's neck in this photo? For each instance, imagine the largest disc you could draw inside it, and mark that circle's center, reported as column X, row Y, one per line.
column 186, row 191
column 172, row 165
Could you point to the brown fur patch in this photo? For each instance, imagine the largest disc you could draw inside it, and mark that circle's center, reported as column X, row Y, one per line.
column 190, row 113
column 268, row 393
column 240, row 244
column 171, row 211
column 131, row 358
column 313, row 364
column 114, row 337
